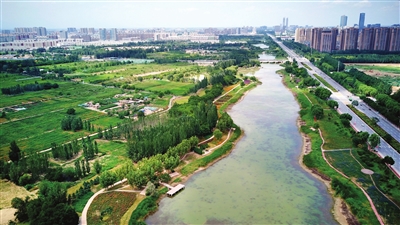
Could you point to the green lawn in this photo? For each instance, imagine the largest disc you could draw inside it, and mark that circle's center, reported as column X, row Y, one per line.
column 80, row 204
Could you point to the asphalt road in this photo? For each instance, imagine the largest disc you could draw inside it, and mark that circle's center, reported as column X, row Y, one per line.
column 342, row 96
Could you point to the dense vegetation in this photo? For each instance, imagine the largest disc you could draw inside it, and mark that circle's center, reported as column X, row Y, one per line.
column 28, row 87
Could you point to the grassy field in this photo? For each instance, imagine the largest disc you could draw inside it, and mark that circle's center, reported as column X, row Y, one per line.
column 113, row 205
column 81, row 203
column 115, row 151
column 177, row 88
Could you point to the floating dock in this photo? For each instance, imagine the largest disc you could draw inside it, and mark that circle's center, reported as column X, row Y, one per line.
column 175, row 190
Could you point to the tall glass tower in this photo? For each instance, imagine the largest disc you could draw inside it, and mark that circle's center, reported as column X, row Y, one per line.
column 361, row 21
column 343, row 21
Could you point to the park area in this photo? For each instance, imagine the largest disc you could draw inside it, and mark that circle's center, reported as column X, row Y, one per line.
column 347, row 161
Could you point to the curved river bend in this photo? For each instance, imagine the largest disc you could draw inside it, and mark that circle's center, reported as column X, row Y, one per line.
column 261, row 181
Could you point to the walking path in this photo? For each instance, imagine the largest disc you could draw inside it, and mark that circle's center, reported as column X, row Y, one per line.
column 365, row 193
column 216, row 99
column 208, row 151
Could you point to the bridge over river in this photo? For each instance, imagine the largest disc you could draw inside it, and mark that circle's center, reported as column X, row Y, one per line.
column 271, row 61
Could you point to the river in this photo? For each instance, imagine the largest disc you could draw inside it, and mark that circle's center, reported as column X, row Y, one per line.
column 261, row 181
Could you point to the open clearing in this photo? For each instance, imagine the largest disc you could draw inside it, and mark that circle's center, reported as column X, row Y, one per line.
column 9, row 190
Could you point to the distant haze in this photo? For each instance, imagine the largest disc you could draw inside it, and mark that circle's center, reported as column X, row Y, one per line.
column 148, row 14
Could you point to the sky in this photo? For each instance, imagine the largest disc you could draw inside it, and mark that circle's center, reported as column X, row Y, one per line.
column 61, row 14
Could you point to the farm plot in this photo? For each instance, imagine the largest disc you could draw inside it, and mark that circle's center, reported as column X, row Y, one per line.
column 36, row 127
column 108, row 208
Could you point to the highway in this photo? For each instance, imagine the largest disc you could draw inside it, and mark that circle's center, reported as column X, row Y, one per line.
column 342, row 96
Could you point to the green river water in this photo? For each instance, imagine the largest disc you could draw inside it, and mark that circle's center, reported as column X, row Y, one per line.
column 261, row 181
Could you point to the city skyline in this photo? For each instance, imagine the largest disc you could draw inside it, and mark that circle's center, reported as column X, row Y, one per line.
column 61, row 14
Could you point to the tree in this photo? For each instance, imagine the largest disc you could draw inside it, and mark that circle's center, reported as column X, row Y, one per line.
column 97, row 166
column 217, row 134
column 107, row 178
column 71, row 111
column 150, row 188
column 78, row 170
column 15, row 152
column 354, row 102
column 374, row 140
column 317, row 111
column 322, row 93
column 225, row 122
column 388, row 160
column 360, row 138
column 3, row 114
column 333, row 104
column 345, row 116
column 22, row 213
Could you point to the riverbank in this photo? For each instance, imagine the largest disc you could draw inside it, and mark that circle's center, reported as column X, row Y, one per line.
column 339, row 209
column 223, row 150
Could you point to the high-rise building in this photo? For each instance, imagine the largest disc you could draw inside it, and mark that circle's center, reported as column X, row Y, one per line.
column 84, row 30
column 361, row 21
column 284, row 22
column 343, row 21
column 348, row 39
column 366, row 39
column 303, row 35
column 328, row 40
column 103, row 34
column 71, row 29
column 63, row 34
column 324, row 39
column 316, row 37
column 287, row 23
column 381, row 38
column 394, row 37
column 113, row 34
